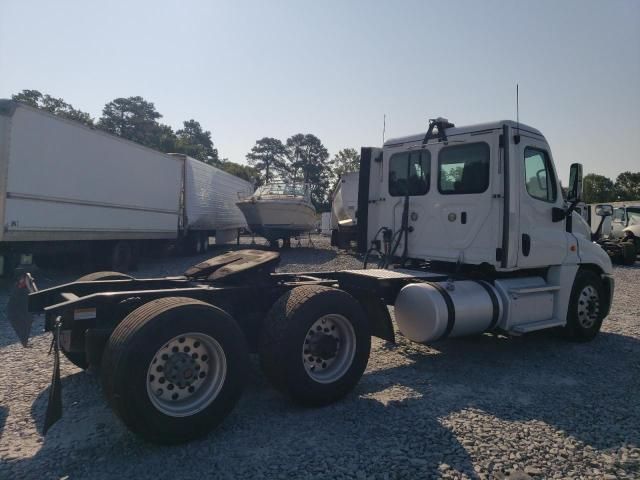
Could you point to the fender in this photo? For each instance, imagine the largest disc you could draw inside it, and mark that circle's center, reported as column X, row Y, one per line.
column 378, row 315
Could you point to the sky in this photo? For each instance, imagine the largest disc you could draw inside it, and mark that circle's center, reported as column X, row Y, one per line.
column 250, row 69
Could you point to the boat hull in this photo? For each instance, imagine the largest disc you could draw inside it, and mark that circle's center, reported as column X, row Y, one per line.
column 278, row 219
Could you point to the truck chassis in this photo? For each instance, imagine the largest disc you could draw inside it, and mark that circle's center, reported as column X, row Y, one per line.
column 216, row 313
column 173, row 352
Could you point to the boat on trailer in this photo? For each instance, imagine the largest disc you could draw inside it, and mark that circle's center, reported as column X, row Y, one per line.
column 279, row 211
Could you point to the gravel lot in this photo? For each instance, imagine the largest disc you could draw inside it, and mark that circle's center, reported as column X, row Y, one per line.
column 482, row 407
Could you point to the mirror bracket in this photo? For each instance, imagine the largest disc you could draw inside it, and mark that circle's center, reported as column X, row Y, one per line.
column 558, row 214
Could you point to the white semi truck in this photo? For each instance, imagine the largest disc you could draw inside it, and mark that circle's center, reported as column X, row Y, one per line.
column 66, row 188
column 471, row 235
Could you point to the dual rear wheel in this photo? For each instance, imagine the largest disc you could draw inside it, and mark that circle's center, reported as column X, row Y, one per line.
column 175, row 367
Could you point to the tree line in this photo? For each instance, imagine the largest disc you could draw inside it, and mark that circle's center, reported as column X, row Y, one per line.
column 600, row 189
column 301, row 158
column 137, row 119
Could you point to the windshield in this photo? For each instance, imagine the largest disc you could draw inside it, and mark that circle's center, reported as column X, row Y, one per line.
column 634, row 215
column 282, row 189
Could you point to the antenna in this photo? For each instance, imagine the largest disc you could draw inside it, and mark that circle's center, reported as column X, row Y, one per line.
column 384, row 126
column 518, row 106
column 517, row 136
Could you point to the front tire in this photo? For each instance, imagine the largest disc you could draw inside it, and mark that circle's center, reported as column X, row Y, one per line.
column 586, row 307
column 174, row 368
column 628, row 252
column 315, row 344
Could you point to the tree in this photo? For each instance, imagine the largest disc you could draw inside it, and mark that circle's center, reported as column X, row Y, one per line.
column 165, row 139
column 268, row 157
column 57, row 106
column 628, row 186
column 29, row 97
column 245, row 172
column 597, row 189
column 308, row 162
column 346, row 160
column 135, row 119
column 192, row 140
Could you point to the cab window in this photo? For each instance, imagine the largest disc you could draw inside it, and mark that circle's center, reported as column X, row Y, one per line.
column 409, row 173
column 633, row 214
column 618, row 215
column 463, row 169
column 538, row 175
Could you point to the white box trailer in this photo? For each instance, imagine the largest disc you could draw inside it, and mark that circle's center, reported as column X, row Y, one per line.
column 209, row 203
column 67, row 187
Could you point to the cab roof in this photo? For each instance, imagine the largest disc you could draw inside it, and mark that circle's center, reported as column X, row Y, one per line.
column 467, row 129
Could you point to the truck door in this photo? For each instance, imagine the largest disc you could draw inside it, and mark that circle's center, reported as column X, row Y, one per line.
column 452, row 213
column 618, row 222
column 542, row 241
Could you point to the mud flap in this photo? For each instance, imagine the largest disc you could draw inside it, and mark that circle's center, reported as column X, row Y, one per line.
column 54, row 407
column 18, row 307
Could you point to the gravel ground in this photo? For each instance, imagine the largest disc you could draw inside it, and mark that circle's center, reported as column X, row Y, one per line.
column 482, row 407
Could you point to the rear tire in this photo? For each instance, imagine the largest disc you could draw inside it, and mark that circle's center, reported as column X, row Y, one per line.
column 586, row 307
column 205, row 242
column 122, row 256
column 315, row 344
column 79, row 359
column 628, row 253
column 145, row 353
column 106, row 275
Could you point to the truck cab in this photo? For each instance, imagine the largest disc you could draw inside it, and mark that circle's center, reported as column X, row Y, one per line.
column 625, row 221
column 485, row 194
column 483, row 201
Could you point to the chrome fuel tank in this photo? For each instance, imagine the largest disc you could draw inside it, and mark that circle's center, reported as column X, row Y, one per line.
column 430, row 311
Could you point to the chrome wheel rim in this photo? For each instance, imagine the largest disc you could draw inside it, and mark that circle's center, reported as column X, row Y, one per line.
column 186, row 374
column 329, row 348
column 588, row 306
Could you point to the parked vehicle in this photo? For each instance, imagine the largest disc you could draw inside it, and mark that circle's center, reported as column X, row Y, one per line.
column 476, row 237
column 279, row 210
column 625, row 223
column 344, row 206
column 624, row 246
column 69, row 188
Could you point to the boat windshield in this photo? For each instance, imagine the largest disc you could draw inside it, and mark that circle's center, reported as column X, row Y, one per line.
column 284, row 189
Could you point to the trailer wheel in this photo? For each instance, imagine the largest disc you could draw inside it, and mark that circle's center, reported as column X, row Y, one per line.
column 586, row 308
column 204, row 240
column 174, row 368
column 122, row 257
column 628, row 253
column 315, row 344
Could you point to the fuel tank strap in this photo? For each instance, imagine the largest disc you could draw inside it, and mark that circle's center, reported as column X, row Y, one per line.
column 451, row 312
column 494, row 302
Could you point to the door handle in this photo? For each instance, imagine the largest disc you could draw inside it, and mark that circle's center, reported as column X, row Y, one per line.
column 463, row 218
column 526, row 244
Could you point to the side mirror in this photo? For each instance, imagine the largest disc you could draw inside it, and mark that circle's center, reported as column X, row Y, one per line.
column 574, row 194
column 604, row 210
column 541, row 175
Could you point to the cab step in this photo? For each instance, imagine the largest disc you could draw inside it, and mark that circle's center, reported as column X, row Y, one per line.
column 539, row 325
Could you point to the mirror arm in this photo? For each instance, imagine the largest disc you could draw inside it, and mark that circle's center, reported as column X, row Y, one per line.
column 571, row 207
